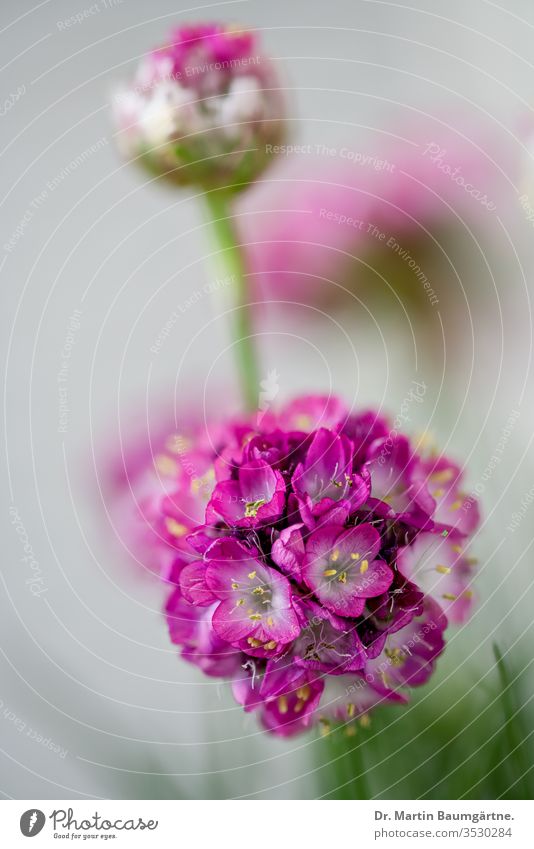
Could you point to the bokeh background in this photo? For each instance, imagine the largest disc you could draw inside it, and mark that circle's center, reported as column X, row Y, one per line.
column 93, row 699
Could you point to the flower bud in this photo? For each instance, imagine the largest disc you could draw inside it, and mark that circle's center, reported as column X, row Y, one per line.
column 203, row 109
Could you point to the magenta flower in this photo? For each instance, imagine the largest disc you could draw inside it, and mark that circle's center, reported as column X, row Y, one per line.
column 342, row 567
column 324, row 483
column 256, row 497
column 310, row 559
column 203, row 108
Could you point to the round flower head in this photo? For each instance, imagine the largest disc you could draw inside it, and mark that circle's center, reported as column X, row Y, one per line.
column 203, row 108
column 323, row 223
column 312, row 557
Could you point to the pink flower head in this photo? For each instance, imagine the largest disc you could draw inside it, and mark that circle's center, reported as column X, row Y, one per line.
column 202, row 108
column 325, row 563
column 315, row 225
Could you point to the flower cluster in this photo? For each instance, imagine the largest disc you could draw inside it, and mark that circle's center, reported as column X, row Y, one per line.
column 203, row 108
column 313, row 558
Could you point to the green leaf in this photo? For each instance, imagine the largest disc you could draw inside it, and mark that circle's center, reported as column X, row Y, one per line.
column 513, row 735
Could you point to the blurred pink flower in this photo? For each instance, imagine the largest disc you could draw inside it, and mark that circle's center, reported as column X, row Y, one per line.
column 304, row 227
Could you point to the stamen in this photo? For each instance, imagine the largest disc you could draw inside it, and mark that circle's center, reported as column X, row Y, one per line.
column 252, row 507
column 443, row 476
column 443, row 570
column 304, row 693
column 251, row 575
column 282, row 704
column 343, row 578
column 175, row 528
column 396, row 656
column 364, row 566
column 166, row 465
column 449, row 596
column 254, row 616
column 324, row 726
column 355, row 555
column 335, row 555
column 270, row 646
column 328, row 573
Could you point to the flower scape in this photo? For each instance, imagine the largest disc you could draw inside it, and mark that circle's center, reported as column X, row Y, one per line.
column 313, row 557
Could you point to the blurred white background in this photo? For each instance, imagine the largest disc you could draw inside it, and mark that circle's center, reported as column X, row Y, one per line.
column 87, row 663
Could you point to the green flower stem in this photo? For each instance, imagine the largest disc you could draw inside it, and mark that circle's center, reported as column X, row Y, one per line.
column 343, row 774
column 226, row 238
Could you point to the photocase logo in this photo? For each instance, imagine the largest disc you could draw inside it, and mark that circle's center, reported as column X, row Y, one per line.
column 32, row 822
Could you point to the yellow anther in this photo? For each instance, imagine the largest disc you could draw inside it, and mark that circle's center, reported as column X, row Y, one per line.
column 282, row 704
column 456, row 504
column 439, row 492
column 175, row 528
column 468, row 593
column 335, row 555
column 343, row 578
column 350, row 730
column 364, row 566
column 203, row 483
column 240, row 602
column 258, row 590
column 396, row 656
column 385, row 678
column 355, row 555
column 351, row 709
column 449, row 596
column 324, row 726
column 252, row 507
column 252, row 575
column 270, row 645
column 457, row 549
column 443, row 570
column 270, row 621
column 443, row 476
column 254, row 643
column 254, row 616
column 304, row 693
column 298, row 707
column 329, row 572
column 165, row 465
column 365, row 720
column 235, row 586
